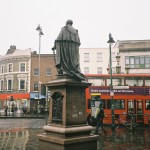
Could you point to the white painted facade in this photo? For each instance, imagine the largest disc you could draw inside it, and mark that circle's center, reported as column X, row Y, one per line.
column 94, row 62
column 138, row 52
column 129, row 48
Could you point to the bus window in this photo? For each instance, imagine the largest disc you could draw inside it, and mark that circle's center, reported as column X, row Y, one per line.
column 104, row 102
column 95, row 101
column 131, row 106
column 108, row 104
column 119, row 104
column 147, row 104
column 95, row 97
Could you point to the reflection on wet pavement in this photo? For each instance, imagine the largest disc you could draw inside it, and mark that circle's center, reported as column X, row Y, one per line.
column 19, row 139
column 125, row 139
column 120, row 139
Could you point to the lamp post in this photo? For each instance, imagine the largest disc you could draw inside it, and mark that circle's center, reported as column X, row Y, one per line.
column 39, row 29
column 111, row 41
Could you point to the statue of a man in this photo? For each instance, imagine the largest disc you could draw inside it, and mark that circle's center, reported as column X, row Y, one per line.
column 67, row 52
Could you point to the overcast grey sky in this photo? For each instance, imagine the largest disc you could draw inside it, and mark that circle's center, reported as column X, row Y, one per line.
column 94, row 19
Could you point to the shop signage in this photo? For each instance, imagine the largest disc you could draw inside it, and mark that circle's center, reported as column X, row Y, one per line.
column 125, row 91
column 120, row 87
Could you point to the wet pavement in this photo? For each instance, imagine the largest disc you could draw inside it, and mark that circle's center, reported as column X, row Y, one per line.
column 125, row 139
column 21, row 134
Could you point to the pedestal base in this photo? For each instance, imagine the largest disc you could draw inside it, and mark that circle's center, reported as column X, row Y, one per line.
column 72, row 138
column 67, row 129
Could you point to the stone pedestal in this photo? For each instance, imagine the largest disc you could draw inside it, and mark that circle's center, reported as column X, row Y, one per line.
column 68, row 129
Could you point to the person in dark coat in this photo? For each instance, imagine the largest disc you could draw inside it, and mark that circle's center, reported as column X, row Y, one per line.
column 99, row 115
column 6, row 109
column 24, row 110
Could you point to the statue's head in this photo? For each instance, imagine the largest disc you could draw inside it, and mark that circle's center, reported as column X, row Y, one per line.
column 69, row 22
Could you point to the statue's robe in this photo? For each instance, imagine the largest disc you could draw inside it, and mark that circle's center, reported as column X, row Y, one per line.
column 67, row 53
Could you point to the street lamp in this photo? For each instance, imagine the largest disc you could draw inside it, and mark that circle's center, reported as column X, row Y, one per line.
column 111, row 41
column 39, row 29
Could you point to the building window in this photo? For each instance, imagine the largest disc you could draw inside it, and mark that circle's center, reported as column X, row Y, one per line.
column 9, row 85
column 99, row 57
column 147, row 62
column 99, row 70
column 35, row 87
column 113, row 70
column 1, row 85
column 86, row 70
column 86, row 57
column 22, row 85
column 36, row 72
column 132, row 62
column 10, row 67
column 142, row 64
column 127, row 61
column 48, row 72
column 22, row 67
column 2, row 69
column 138, row 62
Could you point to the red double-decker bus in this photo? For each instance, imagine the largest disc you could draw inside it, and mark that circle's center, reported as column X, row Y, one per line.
column 131, row 93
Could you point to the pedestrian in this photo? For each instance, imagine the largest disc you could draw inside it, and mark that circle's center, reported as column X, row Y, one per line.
column 34, row 110
column 12, row 108
column 24, row 111
column 42, row 110
column 99, row 115
column 67, row 52
column 6, row 109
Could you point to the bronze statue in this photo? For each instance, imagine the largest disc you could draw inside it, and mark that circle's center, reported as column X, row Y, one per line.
column 67, row 52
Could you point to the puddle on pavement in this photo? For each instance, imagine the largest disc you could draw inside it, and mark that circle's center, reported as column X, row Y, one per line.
column 19, row 139
column 125, row 139
column 121, row 139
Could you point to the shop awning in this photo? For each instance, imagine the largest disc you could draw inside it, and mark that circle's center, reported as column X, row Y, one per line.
column 15, row 96
column 37, row 96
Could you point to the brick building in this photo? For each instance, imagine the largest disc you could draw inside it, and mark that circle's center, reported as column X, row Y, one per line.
column 48, row 72
column 15, row 77
column 19, row 77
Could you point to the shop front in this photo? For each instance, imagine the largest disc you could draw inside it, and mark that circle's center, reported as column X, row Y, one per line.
column 14, row 102
column 37, row 102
